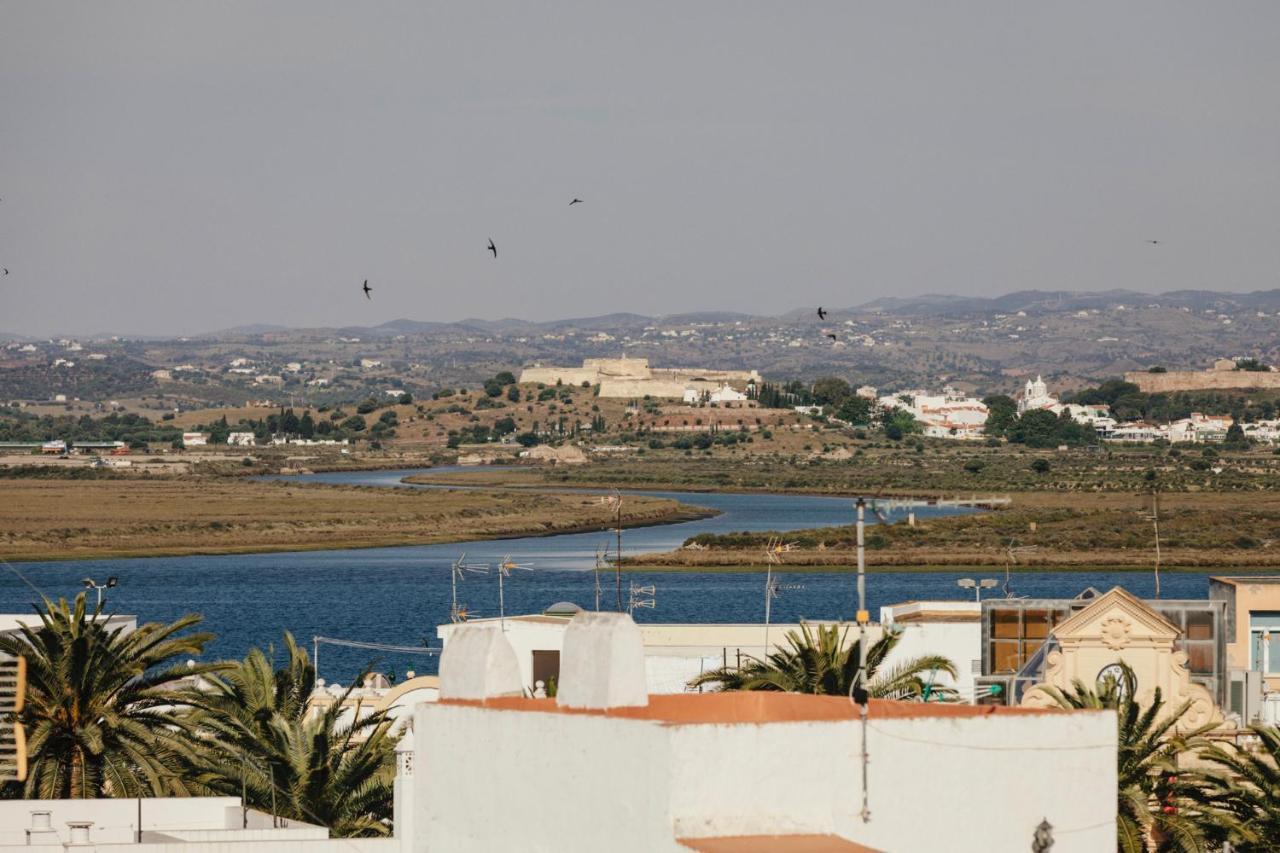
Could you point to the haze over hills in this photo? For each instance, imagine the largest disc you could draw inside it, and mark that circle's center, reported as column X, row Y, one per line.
column 980, row 344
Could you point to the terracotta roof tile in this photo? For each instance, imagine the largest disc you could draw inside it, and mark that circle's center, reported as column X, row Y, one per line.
column 755, row 707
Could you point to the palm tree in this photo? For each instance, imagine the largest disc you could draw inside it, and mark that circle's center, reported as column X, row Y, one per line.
column 258, row 739
column 821, row 663
column 1152, row 791
column 102, row 715
column 1240, row 795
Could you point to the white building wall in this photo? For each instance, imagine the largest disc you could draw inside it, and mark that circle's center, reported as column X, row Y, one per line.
column 543, row 781
column 489, row 781
column 773, row 779
column 984, row 783
column 961, row 642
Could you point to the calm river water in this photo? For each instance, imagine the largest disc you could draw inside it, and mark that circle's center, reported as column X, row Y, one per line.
column 398, row 595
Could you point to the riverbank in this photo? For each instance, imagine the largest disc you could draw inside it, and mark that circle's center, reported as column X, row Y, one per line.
column 1036, row 532
column 1045, row 529
column 55, row 520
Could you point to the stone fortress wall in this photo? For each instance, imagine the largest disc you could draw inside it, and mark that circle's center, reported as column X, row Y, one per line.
column 632, row 377
column 1223, row 376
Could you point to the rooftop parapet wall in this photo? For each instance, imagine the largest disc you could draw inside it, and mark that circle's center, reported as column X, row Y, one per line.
column 1202, row 380
column 702, row 765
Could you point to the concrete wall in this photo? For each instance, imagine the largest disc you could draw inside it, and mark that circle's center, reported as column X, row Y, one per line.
column 188, row 824
column 542, row 781
column 565, row 375
column 674, row 652
column 492, row 780
column 961, row 642
column 984, row 783
column 1201, row 380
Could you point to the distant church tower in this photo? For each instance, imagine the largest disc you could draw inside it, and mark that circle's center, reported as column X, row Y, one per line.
column 1035, row 396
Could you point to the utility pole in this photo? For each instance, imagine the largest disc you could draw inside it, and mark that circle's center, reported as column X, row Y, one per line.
column 859, row 693
column 1155, row 522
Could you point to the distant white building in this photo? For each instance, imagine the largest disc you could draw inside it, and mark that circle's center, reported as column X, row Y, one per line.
column 241, row 439
column 1036, row 396
column 195, row 439
column 946, row 415
column 369, row 363
column 725, row 393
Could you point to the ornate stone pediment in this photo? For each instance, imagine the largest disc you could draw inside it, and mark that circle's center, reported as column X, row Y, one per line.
column 1117, row 620
column 1118, row 628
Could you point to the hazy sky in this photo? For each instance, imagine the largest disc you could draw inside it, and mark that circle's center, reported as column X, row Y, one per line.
column 182, row 167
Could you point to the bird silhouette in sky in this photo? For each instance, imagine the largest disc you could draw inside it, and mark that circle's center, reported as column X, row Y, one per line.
column 493, row 248
column 1154, row 242
column 822, row 315
column 832, row 336
column 6, row 270
column 575, row 201
column 367, row 289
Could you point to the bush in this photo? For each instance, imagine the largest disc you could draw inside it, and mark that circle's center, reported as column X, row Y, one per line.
column 513, row 393
column 1041, row 466
column 367, row 405
column 974, row 466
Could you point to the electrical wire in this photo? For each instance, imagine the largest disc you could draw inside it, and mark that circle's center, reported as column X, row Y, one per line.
column 381, row 647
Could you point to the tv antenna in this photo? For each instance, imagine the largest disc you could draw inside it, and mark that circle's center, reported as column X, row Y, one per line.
column 613, row 501
column 504, row 571
column 773, row 551
column 601, row 558
column 641, row 596
column 1011, row 554
column 1154, row 518
column 459, row 571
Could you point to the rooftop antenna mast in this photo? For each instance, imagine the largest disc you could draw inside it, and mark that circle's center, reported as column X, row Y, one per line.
column 601, row 558
column 773, row 551
column 1155, row 523
column 459, row 571
column 504, row 571
column 614, row 503
column 1011, row 559
column 641, row 596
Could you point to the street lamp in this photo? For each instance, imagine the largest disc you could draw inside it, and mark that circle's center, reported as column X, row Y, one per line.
column 977, row 586
column 89, row 583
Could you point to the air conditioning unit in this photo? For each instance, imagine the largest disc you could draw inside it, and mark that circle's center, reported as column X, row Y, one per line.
column 1245, row 698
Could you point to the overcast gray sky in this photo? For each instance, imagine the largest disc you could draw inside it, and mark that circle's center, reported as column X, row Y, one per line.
column 176, row 167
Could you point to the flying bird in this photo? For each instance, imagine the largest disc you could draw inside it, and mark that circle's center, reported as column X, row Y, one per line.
column 575, row 201
column 822, row 315
column 6, row 270
column 1154, row 242
column 367, row 289
column 833, row 337
column 493, row 248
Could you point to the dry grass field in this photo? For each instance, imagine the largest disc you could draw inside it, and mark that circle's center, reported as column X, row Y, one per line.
column 80, row 519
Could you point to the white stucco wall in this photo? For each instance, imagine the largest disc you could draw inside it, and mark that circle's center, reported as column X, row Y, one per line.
column 985, row 783
column 488, row 780
column 177, row 824
column 575, row 782
column 961, row 642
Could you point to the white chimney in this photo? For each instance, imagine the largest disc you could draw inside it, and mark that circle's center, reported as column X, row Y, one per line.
column 602, row 663
column 478, row 663
column 79, row 832
column 42, row 831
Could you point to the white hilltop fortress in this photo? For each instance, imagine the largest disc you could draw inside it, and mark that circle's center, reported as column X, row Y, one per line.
column 633, row 377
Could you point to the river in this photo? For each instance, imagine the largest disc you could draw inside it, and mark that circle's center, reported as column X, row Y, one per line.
column 399, row 595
